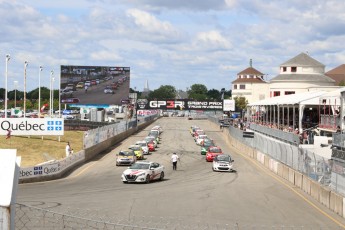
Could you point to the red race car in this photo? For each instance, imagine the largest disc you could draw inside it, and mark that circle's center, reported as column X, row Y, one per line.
column 212, row 152
column 151, row 146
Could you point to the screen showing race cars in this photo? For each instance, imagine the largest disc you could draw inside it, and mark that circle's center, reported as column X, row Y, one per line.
column 97, row 85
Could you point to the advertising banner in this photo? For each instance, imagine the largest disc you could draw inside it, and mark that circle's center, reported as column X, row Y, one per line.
column 31, row 126
column 229, row 105
column 184, row 104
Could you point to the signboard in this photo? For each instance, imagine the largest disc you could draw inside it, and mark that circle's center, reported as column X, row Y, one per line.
column 248, row 134
column 31, row 126
column 179, row 105
column 97, row 85
column 229, row 105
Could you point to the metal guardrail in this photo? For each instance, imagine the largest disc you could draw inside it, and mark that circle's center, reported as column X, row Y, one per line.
column 276, row 133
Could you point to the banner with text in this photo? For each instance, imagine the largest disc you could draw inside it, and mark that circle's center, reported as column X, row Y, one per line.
column 31, row 126
column 179, row 104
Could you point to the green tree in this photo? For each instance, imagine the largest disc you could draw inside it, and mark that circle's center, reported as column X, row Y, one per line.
column 197, row 92
column 213, row 94
column 163, row 92
column 240, row 103
column 342, row 83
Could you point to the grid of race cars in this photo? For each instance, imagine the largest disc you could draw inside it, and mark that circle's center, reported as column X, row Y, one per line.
column 142, row 171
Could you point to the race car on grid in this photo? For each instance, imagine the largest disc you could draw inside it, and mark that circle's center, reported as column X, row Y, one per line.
column 143, row 172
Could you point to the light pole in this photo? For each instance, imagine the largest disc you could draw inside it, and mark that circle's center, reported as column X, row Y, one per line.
column 25, row 65
column 39, row 91
column 50, row 96
column 15, row 93
column 8, row 57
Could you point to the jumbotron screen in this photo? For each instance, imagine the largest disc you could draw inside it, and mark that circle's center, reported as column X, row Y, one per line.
column 96, row 85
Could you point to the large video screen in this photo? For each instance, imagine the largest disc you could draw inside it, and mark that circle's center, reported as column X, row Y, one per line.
column 96, row 85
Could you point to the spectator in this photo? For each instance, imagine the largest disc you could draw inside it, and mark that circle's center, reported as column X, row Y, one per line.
column 69, row 150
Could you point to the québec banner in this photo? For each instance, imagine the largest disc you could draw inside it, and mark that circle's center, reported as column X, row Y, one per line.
column 178, row 104
column 32, row 126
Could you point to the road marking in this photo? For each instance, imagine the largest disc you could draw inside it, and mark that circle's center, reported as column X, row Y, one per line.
column 82, row 171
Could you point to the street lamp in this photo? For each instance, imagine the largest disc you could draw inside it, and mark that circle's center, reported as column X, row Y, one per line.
column 51, row 95
column 15, row 93
column 25, row 65
column 39, row 91
column 8, row 57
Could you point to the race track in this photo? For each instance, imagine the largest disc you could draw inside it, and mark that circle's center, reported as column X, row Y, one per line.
column 251, row 196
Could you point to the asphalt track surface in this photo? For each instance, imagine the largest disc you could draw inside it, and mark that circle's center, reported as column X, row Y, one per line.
column 251, row 196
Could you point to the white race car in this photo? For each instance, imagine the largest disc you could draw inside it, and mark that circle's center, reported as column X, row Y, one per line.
column 143, row 145
column 222, row 162
column 143, row 172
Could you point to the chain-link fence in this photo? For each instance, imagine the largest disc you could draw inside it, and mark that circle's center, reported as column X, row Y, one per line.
column 28, row 217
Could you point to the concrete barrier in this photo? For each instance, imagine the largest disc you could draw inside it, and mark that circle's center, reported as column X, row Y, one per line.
column 292, row 176
column 336, row 203
column 325, row 196
column 266, row 161
column 285, row 172
column 298, row 179
column 315, row 190
column 55, row 169
column 280, row 169
column 306, row 184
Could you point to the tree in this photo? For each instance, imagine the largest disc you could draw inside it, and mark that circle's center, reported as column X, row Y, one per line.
column 198, row 92
column 240, row 103
column 342, row 83
column 213, row 94
column 163, row 92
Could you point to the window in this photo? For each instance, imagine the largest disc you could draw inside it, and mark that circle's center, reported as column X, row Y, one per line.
column 289, row 92
column 276, row 93
column 235, row 86
column 284, row 69
column 242, row 86
column 293, row 69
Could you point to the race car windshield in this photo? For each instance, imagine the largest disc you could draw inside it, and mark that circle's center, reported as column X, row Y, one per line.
column 140, row 166
column 223, row 158
column 124, row 154
column 215, row 150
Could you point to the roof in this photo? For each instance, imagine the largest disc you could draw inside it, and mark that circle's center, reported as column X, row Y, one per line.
column 249, row 80
column 303, row 78
column 306, row 98
column 250, row 71
column 337, row 74
column 302, row 60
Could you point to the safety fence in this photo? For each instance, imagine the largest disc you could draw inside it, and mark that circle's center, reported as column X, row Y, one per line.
column 305, row 161
column 29, row 217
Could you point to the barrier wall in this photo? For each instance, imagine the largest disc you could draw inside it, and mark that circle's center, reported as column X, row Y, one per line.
column 320, row 193
column 57, row 169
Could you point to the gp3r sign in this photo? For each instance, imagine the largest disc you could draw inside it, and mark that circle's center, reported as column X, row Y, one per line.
column 31, row 126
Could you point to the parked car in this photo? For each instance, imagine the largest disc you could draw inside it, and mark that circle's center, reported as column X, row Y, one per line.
column 144, row 147
column 143, row 172
column 222, row 162
column 138, row 151
column 80, row 85
column 125, row 157
column 205, row 144
column 200, row 138
column 212, row 152
column 108, row 90
column 66, row 93
column 151, row 138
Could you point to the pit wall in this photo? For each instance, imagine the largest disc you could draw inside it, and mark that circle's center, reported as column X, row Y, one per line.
column 322, row 194
column 57, row 169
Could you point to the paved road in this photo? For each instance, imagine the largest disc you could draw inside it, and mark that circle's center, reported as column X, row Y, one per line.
column 253, row 196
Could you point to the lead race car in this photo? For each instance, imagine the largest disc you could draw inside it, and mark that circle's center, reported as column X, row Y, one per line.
column 143, row 172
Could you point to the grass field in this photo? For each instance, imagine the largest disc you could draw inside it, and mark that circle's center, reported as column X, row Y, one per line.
column 38, row 149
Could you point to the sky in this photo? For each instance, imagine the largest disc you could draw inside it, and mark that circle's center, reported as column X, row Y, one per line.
column 166, row 42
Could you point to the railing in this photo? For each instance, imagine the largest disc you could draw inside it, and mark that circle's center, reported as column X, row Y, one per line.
column 288, row 137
